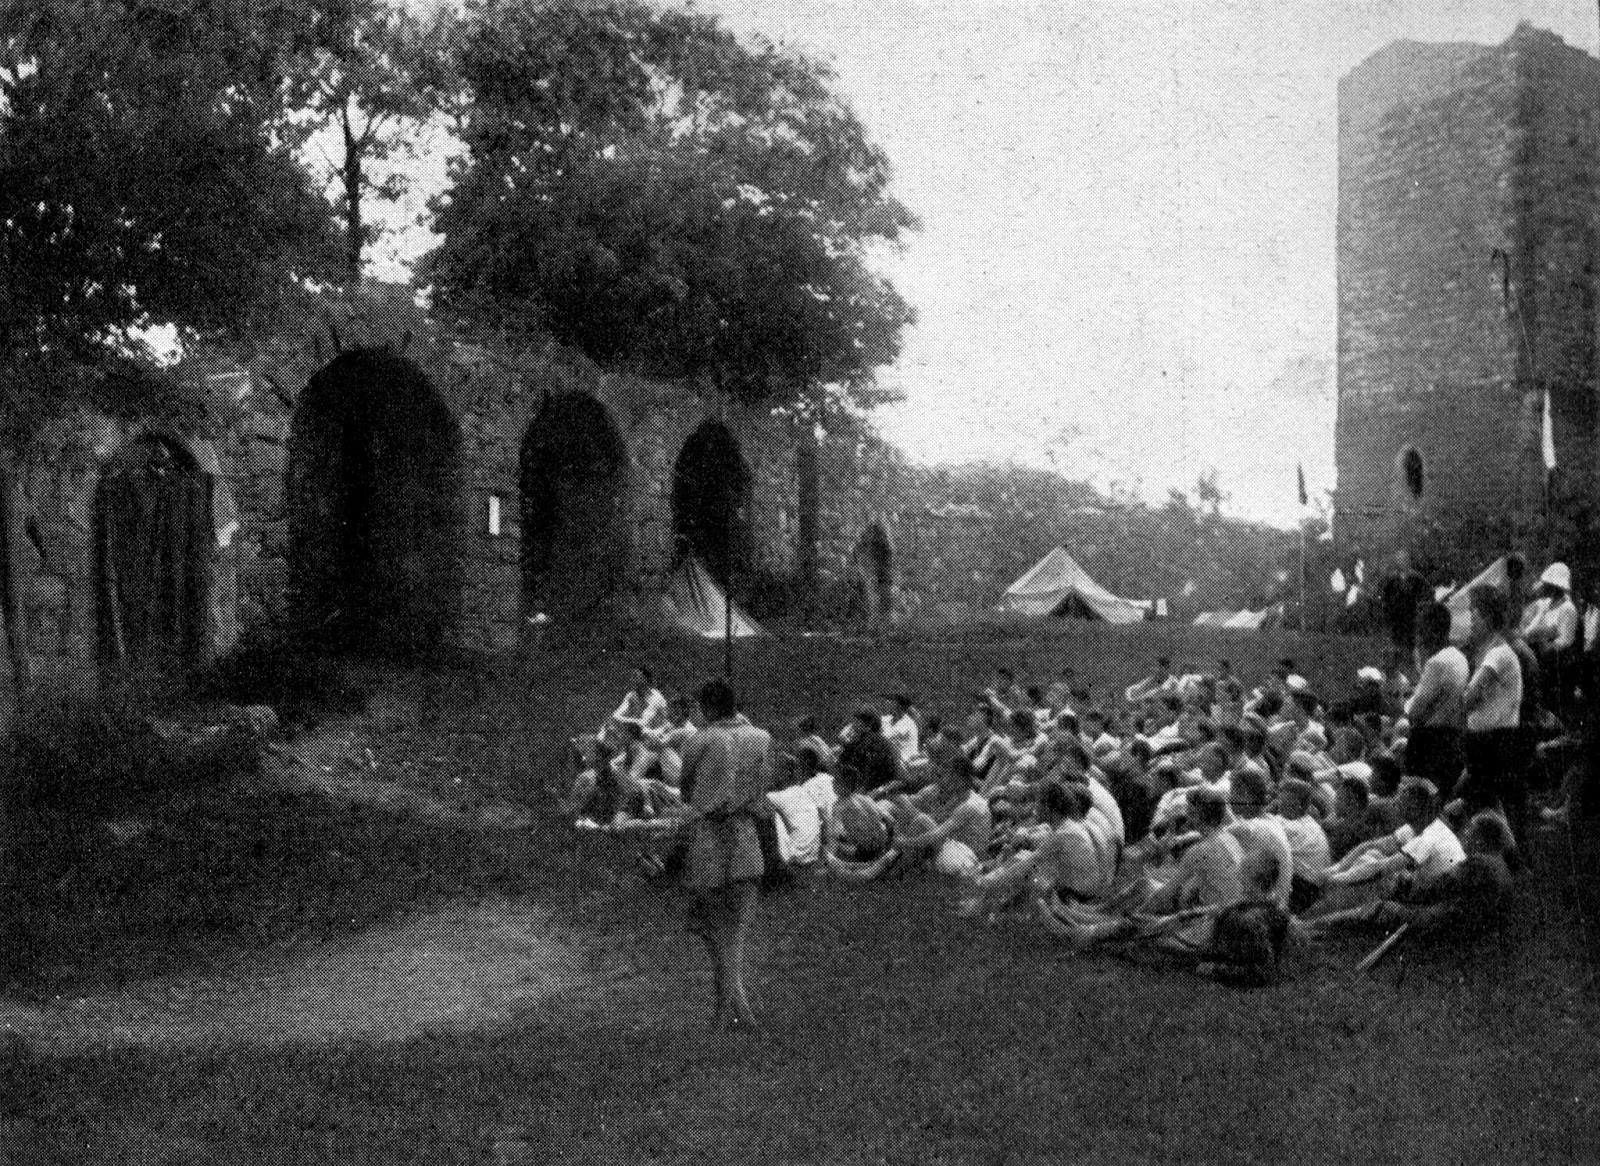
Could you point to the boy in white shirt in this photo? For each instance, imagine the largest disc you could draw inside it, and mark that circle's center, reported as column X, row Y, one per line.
column 1424, row 846
column 1308, row 843
column 901, row 728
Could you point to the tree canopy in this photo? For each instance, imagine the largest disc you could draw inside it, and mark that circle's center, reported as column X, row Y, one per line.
column 139, row 182
column 371, row 73
column 667, row 198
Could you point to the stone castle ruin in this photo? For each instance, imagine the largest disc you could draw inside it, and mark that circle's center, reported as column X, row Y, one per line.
column 1469, row 205
column 380, row 481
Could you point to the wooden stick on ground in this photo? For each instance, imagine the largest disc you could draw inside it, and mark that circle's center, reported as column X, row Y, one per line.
column 1382, row 949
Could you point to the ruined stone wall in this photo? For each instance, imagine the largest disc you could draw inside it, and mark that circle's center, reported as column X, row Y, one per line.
column 1466, row 260
column 1556, row 160
column 492, row 393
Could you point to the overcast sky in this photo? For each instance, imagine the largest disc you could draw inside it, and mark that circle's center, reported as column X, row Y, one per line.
column 1128, row 218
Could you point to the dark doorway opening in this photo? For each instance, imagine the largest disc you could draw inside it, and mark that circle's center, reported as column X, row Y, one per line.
column 710, row 493
column 153, row 538
column 374, row 529
column 573, row 481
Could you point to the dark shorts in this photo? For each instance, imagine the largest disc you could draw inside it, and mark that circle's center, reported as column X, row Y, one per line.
column 1496, row 768
column 1436, row 753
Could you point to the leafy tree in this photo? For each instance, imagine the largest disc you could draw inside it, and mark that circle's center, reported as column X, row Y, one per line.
column 374, row 74
column 139, row 184
column 666, row 198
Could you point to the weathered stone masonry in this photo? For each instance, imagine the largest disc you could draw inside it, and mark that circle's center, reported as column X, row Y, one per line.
column 296, row 453
column 1467, row 260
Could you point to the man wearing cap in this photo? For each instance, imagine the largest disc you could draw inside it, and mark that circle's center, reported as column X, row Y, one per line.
column 1550, row 628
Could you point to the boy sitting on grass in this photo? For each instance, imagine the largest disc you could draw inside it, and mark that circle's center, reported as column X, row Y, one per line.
column 857, row 831
column 1067, row 859
column 949, row 824
column 1424, row 847
column 1178, row 914
column 1467, row 899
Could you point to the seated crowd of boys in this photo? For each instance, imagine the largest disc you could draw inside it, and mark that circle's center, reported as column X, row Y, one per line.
column 1189, row 815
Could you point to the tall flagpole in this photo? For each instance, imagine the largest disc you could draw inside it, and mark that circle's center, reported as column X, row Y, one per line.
column 1302, row 574
column 1305, row 501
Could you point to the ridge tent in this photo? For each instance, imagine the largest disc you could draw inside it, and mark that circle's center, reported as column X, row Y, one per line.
column 1460, row 618
column 694, row 603
column 1056, row 585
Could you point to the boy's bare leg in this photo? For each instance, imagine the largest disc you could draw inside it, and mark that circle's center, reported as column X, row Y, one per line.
column 742, row 909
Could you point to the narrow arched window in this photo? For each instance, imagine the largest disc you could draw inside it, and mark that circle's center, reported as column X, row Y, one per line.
column 1412, row 475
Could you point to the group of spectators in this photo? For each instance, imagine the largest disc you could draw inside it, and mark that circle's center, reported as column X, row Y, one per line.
column 1189, row 813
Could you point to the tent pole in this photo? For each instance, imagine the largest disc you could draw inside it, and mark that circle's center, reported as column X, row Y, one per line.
column 728, row 557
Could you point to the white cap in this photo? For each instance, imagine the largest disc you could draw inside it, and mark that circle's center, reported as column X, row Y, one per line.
column 1370, row 673
column 1557, row 575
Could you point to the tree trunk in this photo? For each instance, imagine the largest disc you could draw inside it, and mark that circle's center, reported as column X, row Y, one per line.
column 807, row 520
column 20, row 670
column 14, row 696
column 354, row 231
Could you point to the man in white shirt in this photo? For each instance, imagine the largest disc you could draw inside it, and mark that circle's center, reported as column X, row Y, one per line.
column 642, row 705
column 1308, row 842
column 642, row 712
column 1550, row 626
column 1158, row 683
column 1423, row 846
column 900, row 727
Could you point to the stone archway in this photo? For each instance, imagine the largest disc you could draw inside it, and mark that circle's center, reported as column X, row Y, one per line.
column 153, row 571
column 573, row 479
column 373, row 498
column 710, row 501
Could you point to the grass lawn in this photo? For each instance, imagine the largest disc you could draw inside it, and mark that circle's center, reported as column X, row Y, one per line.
column 402, row 957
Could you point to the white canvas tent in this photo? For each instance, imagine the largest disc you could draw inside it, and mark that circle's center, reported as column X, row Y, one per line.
column 1056, row 585
column 1460, row 621
column 1246, row 619
column 695, row 604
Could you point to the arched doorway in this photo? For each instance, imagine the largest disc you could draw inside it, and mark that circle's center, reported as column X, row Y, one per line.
column 573, row 480
column 374, row 530
column 710, row 494
column 153, row 540
column 874, row 563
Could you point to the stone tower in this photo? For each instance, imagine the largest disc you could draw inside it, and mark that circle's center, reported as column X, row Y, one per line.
column 1469, row 185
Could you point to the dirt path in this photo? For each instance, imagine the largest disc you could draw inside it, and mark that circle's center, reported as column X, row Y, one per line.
column 456, row 965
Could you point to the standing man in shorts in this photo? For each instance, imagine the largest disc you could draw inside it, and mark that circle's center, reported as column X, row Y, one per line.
column 727, row 771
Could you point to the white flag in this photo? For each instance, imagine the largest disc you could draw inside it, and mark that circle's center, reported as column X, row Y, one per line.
column 1337, row 582
column 1547, row 434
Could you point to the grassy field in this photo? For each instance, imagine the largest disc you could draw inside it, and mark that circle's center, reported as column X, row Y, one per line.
column 396, row 954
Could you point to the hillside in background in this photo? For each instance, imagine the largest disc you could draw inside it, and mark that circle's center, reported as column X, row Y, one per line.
column 963, row 533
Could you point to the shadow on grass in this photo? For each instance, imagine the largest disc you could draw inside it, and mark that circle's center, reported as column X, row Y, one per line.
column 247, row 870
column 896, row 1035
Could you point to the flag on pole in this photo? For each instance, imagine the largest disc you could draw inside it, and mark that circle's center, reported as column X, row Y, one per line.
column 1300, row 473
column 1547, row 434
